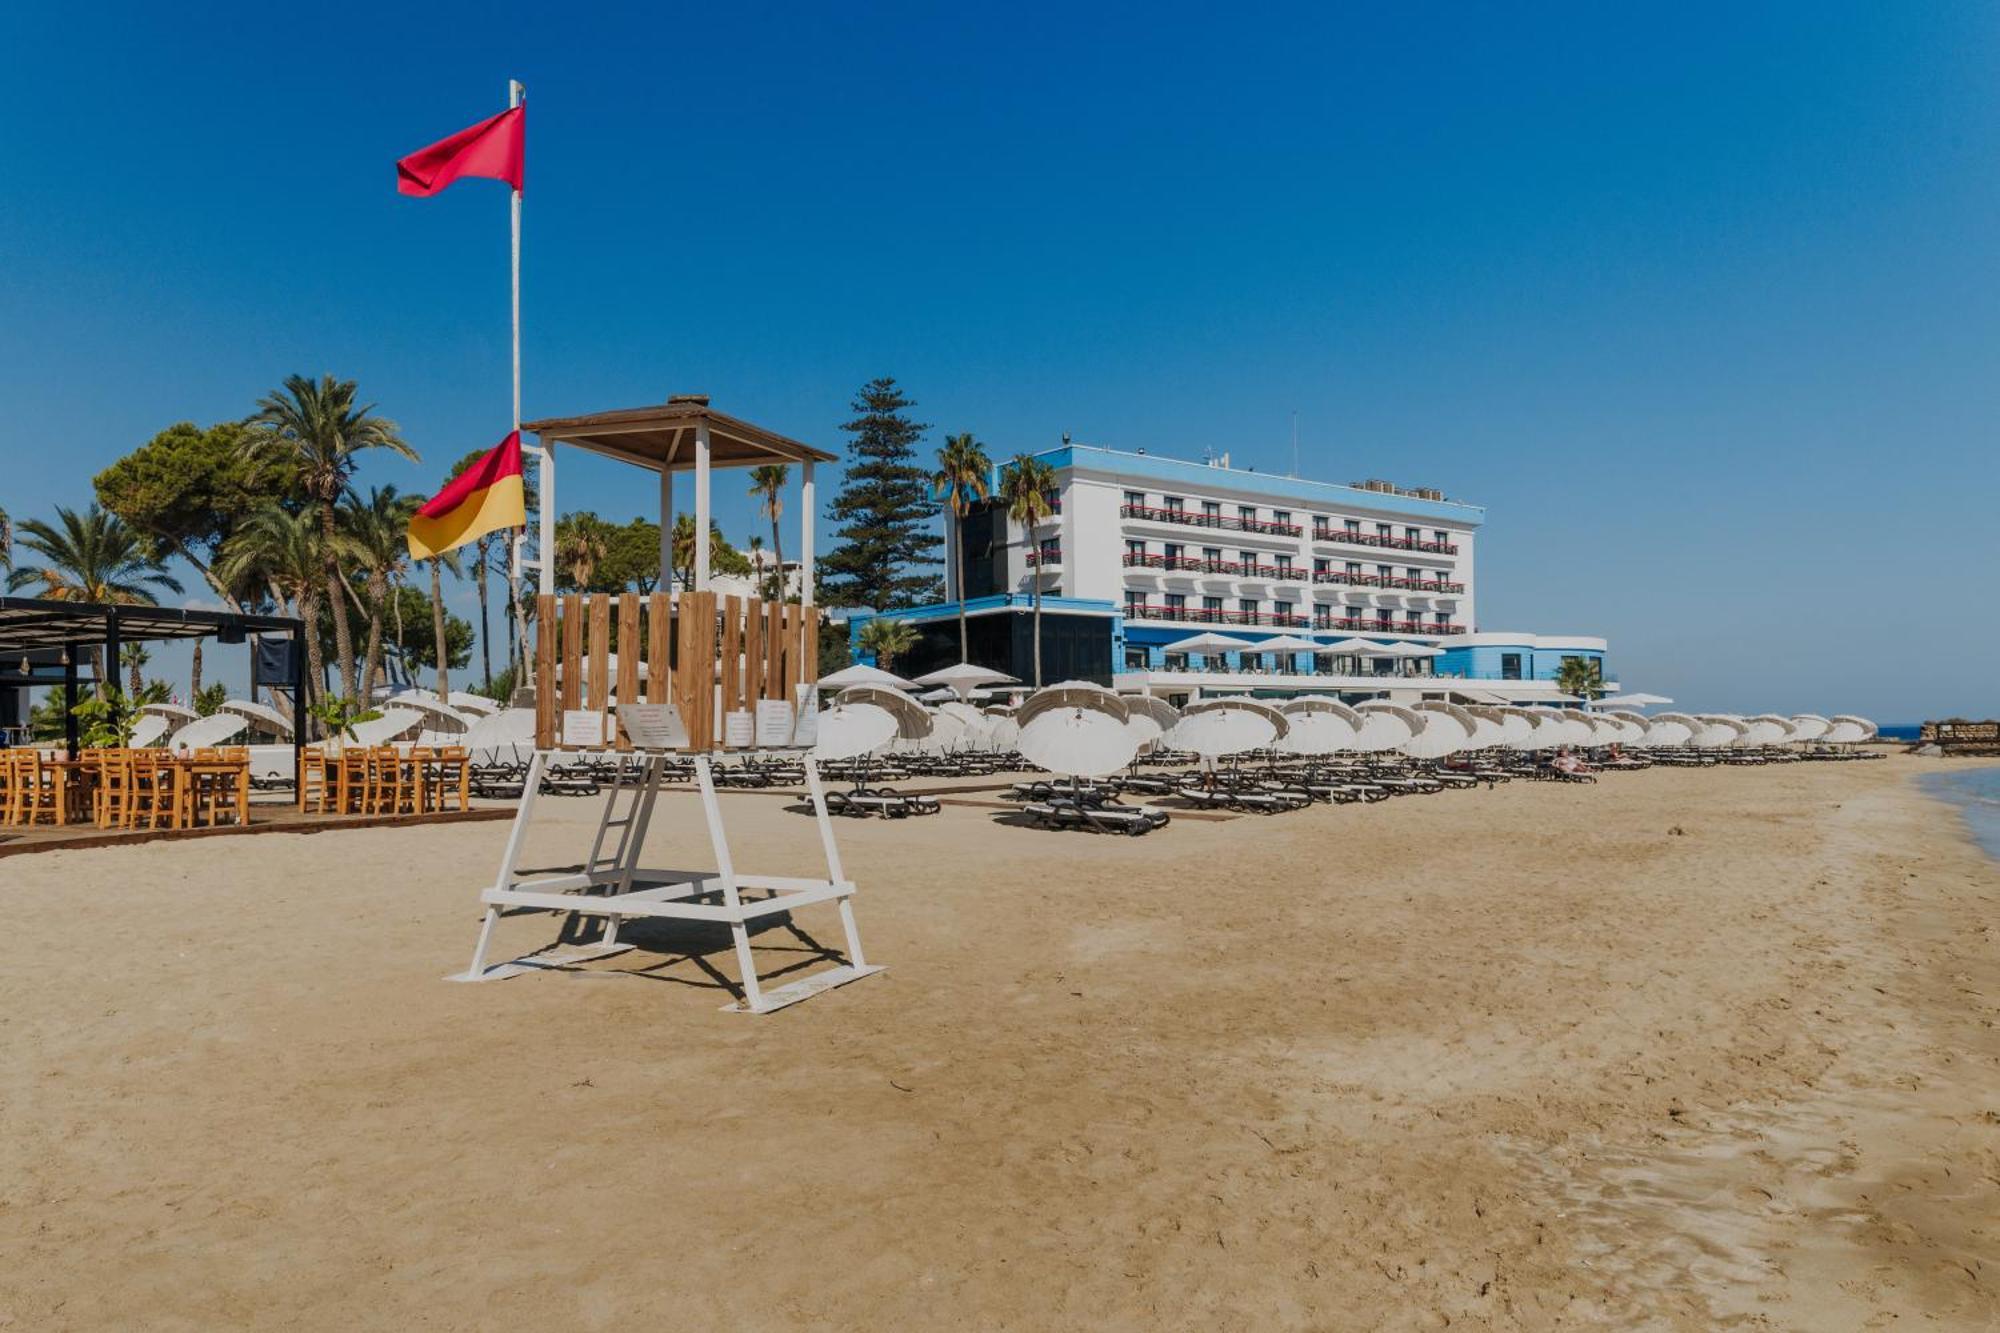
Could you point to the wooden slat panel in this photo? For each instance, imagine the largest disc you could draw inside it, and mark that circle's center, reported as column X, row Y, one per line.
column 808, row 645
column 702, row 670
column 774, row 650
column 628, row 655
column 545, row 671
column 729, row 666
column 572, row 652
column 600, row 651
column 753, row 653
column 659, row 653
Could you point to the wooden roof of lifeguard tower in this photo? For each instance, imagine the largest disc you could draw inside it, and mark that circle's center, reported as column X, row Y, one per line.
column 662, row 437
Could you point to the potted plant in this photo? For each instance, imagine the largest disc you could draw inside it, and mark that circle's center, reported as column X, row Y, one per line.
column 106, row 720
column 337, row 717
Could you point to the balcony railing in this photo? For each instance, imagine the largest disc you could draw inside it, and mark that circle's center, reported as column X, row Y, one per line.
column 1200, row 615
column 1351, row 625
column 1387, row 581
column 1045, row 557
column 1355, row 538
column 1200, row 565
column 1222, row 521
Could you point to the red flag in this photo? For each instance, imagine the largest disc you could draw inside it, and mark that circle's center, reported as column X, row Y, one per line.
column 492, row 148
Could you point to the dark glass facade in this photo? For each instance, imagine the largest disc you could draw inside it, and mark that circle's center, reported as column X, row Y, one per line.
column 1073, row 647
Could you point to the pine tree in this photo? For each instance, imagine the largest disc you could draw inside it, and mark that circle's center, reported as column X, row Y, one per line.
column 884, row 510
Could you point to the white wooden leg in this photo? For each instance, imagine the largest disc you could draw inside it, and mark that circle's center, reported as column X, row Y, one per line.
column 479, row 950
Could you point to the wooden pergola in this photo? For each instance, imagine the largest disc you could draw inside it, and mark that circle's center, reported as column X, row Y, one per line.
column 683, row 434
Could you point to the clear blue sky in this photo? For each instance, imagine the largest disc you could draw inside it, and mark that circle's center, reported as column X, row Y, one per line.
column 1699, row 301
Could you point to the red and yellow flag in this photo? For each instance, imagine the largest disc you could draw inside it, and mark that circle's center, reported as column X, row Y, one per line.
column 485, row 497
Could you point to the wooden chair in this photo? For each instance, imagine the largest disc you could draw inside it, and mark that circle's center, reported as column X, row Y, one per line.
column 454, row 775
column 10, row 785
column 160, row 794
column 315, row 793
column 353, row 795
column 34, row 789
column 393, row 782
column 422, row 776
column 112, row 776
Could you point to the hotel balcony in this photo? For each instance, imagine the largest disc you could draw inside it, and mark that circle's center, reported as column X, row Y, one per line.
column 1365, row 626
column 1189, row 564
column 1389, row 582
column 1045, row 557
column 1222, row 522
column 1197, row 615
column 1377, row 539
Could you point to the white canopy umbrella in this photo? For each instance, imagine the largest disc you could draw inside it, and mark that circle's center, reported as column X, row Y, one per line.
column 1079, row 733
column 1637, row 700
column 1318, row 725
column 1442, row 734
column 1490, row 730
column 1213, row 728
column 1594, row 729
column 465, row 701
column 1850, row 730
column 393, row 723
column 147, row 728
column 206, row 731
column 1768, row 729
column 962, row 678
column 173, row 712
column 1385, row 725
column 1631, row 727
column 949, row 731
column 1352, row 648
column 1419, row 650
column 1208, row 644
column 500, row 738
column 863, row 675
column 1810, row 727
column 441, row 716
column 257, row 712
column 1519, row 729
column 913, row 720
column 1670, row 731
column 1716, row 731
column 1003, row 732
column 850, row 730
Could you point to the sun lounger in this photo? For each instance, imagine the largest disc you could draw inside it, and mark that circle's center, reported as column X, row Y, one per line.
column 1108, row 817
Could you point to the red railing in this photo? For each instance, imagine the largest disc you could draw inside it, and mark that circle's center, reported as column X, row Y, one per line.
column 1203, row 616
column 1047, row 555
column 1355, row 538
column 1386, row 626
column 1199, row 565
column 1222, row 521
column 1387, row 581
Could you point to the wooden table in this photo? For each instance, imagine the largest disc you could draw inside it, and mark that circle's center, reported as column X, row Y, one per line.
column 235, row 771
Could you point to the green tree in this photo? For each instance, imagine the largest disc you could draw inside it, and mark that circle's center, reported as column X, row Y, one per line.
column 278, row 551
column 375, row 535
column 91, row 557
column 722, row 557
column 1581, row 676
column 767, row 487
column 960, row 482
column 187, row 489
column 633, row 562
column 884, row 508
column 6, row 541
column 887, row 639
column 313, row 429
column 1029, row 490
column 207, row 702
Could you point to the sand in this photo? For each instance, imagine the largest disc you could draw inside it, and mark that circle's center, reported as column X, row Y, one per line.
column 1680, row 1050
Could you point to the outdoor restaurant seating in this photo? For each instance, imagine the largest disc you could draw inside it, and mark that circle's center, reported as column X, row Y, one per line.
column 383, row 780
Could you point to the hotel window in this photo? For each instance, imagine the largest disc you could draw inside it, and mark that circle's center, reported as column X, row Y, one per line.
column 1135, row 548
column 1320, row 565
column 1385, row 571
column 1176, row 601
column 1283, row 516
column 1441, row 537
column 1322, row 617
column 1284, row 565
column 1247, row 605
column 1137, row 499
column 1510, row 666
column 1444, row 617
column 1211, row 604
column 1134, row 599
column 1174, row 550
column 1354, row 569
column 1211, row 509
column 1248, row 559
column 1414, row 574
column 1173, row 503
column 1212, row 554
column 1384, row 530
column 1174, row 662
column 1135, row 659
column 1284, row 608
column 1320, row 523
column 1413, row 534
column 1353, row 527
column 1248, row 513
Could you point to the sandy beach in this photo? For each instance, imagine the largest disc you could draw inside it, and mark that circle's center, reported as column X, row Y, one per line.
column 1679, row 1050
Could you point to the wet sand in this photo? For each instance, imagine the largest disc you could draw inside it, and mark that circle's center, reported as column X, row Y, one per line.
column 1682, row 1050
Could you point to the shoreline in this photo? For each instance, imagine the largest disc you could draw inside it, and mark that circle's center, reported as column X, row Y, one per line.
column 1673, row 1049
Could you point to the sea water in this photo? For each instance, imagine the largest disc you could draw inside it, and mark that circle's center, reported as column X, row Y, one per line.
column 1976, row 792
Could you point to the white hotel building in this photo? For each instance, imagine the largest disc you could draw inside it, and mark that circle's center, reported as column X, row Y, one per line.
column 1146, row 551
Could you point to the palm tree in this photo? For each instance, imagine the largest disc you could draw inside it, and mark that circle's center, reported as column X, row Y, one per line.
column 444, row 560
column 6, row 541
column 91, row 557
column 887, row 639
column 767, row 487
column 375, row 534
column 315, row 429
column 959, row 481
column 279, row 551
column 580, row 549
column 1027, row 490
column 1582, row 677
